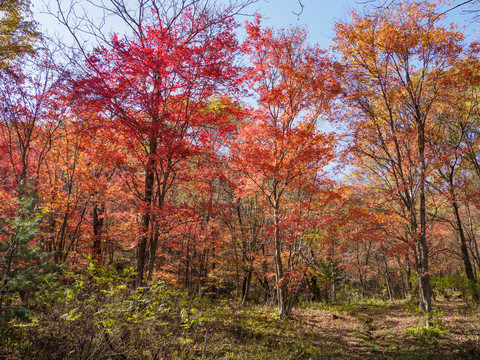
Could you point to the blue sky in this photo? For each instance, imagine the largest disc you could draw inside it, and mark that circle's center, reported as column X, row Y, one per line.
column 319, row 16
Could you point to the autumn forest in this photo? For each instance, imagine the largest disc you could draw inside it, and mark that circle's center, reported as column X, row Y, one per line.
column 198, row 185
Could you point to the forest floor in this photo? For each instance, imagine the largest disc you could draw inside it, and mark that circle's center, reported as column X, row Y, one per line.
column 223, row 329
column 375, row 330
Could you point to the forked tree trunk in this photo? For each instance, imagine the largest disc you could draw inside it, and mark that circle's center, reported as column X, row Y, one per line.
column 247, row 279
column 146, row 217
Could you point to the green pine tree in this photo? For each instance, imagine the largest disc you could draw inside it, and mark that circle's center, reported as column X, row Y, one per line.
column 24, row 267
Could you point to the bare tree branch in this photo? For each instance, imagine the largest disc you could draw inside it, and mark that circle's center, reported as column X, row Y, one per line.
column 301, row 8
column 91, row 23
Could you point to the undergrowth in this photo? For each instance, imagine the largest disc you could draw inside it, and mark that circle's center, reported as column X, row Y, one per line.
column 96, row 314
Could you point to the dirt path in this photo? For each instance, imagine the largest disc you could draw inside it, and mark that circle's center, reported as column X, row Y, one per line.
column 396, row 331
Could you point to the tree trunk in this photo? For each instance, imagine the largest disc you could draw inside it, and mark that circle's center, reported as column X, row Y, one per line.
column 463, row 248
column 153, row 254
column 317, row 296
column 422, row 266
column 246, row 285
column 282, row 293
column 408, row 273
column 98, row 212
column 146, row 217
column 387, row 281
column 334, row 290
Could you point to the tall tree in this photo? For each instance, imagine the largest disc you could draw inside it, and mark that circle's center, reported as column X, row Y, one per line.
column 156, row 89
column 281, row 148
column 396, row 61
